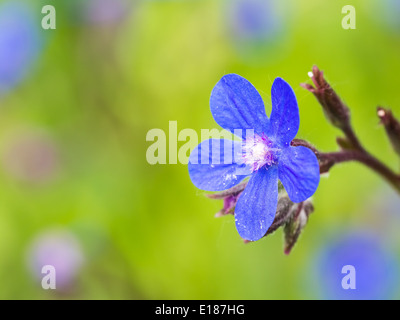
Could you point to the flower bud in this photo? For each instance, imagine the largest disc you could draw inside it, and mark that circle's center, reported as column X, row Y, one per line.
column 334, row 109
column 284, row 211
column 296, row 224
column 229, row 206
column 392, row 127
column 292, row 216
column 230, row 198
column 344, row 143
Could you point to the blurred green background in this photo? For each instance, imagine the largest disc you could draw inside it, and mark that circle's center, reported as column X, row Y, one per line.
column 73, row 145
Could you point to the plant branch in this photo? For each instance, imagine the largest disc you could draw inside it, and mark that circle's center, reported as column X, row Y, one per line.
column 338, row 114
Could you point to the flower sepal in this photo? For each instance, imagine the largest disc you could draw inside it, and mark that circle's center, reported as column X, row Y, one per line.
column 337, row 113
column 288, row 214
column 296, row 224
column 230, row 198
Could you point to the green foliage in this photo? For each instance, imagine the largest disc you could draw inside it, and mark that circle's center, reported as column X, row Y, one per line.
column 146, row 231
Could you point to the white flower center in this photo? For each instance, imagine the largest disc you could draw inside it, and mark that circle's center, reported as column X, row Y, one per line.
column 258, row 151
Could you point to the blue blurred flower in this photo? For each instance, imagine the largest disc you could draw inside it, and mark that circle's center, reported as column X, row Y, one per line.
column 60, row 249
column 253, row 19
column 255, row 27
column 392, row 9
column 20, row 42
column 375, row 268
column 264, row 154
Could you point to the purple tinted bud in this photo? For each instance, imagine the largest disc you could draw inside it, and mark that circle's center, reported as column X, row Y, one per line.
column 230, row 198
column 57, row 248
column 375, row 268
column 20, row 42
column 229, row 205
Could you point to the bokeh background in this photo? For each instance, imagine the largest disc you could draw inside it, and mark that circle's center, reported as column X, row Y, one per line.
column 77, row 192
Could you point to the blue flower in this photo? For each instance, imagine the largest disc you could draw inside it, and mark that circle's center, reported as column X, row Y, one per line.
column 392, row 14
column 257, row 29
column 375, row 267
column 253, row 19
column 264, row 154
column 20, row 42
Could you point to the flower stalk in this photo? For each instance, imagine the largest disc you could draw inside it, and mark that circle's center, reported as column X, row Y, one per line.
column 351, row 148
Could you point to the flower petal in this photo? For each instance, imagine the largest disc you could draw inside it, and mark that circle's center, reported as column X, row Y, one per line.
column 236, row 104
column 256, row 207
column 213, row 165
column 285, row 119
column 299, row 172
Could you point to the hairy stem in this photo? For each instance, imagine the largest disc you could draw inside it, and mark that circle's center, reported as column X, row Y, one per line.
column 328, row 160
column 338, row 115
column 368, row 160
column 352, row 138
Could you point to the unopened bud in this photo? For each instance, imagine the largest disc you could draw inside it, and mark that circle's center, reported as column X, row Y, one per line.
column 284, row 211
column 230, row 198
column 344, row 143
column 229, row 192
column 392, row 127
column 334, row 108
column 296, row 224
column 229, row 206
